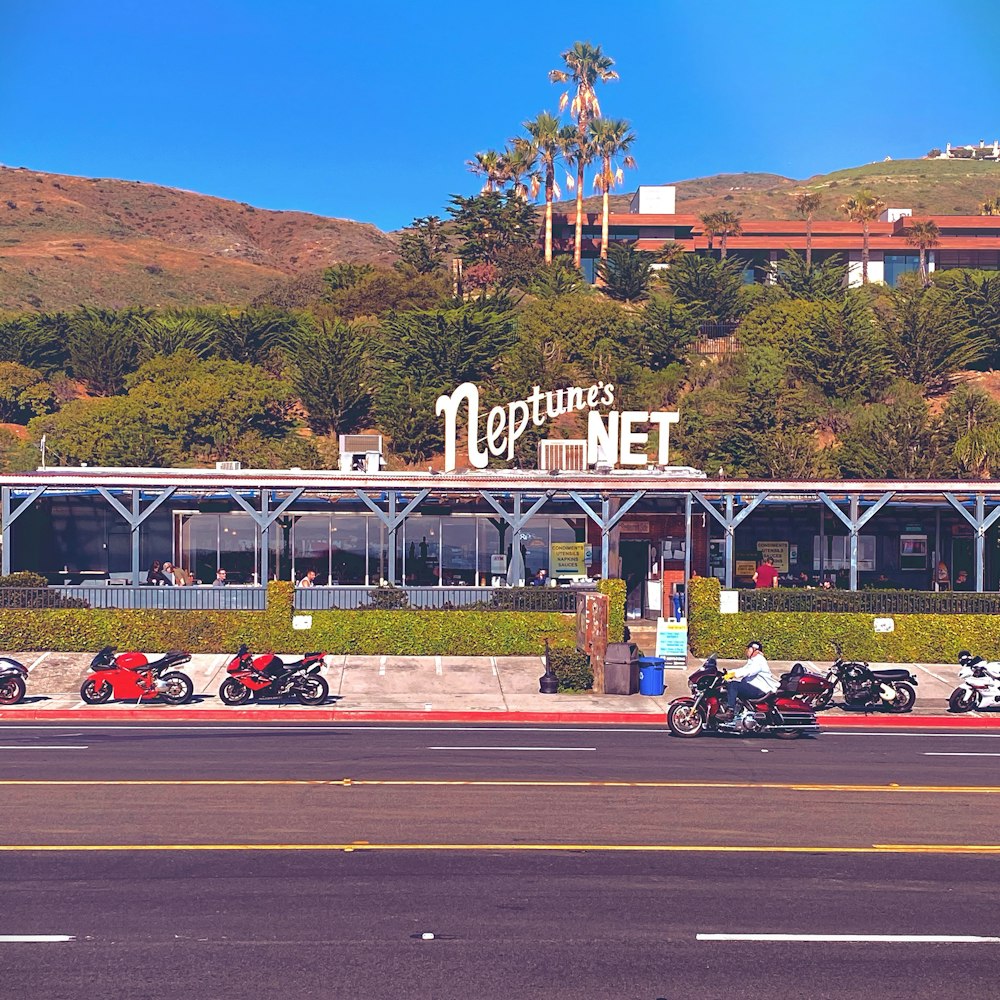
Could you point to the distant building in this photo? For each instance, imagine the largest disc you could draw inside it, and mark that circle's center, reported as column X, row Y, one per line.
column 980, row 152
column 971, row 241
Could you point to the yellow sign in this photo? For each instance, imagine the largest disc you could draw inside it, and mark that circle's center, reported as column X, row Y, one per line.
column 567, row 559
column 745, row 567
column 778, row 551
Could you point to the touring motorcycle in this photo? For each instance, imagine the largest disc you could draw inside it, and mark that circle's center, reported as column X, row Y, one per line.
column 13, row 681
column 131, row 676
column 704, row 711
column 810, row 687
column 892, row 689
column 980, row 684
column 267, row 676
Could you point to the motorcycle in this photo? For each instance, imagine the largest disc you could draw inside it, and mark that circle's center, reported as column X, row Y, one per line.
column 809, row 687
column 13, row 681
column 267, row 676
column 980, row 687
column 892, row 689
column 777, row 713
column 129, row 676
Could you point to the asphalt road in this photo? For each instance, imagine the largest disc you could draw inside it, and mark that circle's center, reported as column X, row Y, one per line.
column 565, row 863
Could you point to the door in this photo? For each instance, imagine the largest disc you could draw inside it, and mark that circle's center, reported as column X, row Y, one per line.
column 635, row 567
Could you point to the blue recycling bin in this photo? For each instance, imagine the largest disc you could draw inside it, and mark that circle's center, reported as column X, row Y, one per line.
column 651, row 675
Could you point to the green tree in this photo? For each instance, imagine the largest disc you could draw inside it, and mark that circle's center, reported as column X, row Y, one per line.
column 977, row 303
column 802, row 280
column 103, row 347
column 927, row 340
column 864, row 207
column 970, row 418
column 723, row 224
column 625, row 273
column 710, row 289
column 424, row 244
column 24, row 393
column 668, row 330
column 333, row 376
column 924, row 236
column 489, row 224
column 406, row 412
column 492, row 167
column 807, row 204
column 584, row 66
column 35, row 340
column 548, row 139
column 252, row 336
column 169, row 332
column 558, row 278
column 611, row 140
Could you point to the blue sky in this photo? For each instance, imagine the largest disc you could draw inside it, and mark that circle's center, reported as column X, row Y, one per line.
column 368, row 111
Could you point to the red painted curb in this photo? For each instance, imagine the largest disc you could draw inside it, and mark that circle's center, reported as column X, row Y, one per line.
column 166, row 716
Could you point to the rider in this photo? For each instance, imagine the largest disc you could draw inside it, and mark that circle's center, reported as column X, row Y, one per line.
column 752, row 680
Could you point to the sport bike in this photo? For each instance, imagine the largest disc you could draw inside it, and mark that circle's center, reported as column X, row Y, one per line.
column 862, row 687
column 13, row 681
column 267, row 676
column 980, row 684
column 705, row 711
column 132, row 677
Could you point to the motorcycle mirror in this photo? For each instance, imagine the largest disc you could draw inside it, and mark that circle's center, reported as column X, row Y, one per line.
column 243, row 650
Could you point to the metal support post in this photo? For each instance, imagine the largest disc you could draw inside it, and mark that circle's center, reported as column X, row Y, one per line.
column 854, row 523
column 135, row 517
column 392, row 519
column 264, row 518
column 981, row 522
column 8, row 516
column 517, row 519
column 730, row 522
column 606, row 521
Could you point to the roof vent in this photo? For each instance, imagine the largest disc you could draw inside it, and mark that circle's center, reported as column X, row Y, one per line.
column 569, row 456
column 228, row 466
column 361, row 453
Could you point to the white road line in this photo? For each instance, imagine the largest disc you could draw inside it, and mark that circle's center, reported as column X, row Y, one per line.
column 34, row 938
column 857, row 938
column 957, row 753
column 461, row 747
column 16, row 747
column 31, row 666
column 939, row 736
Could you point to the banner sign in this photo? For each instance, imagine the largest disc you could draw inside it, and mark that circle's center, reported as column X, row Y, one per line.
column 568, row 559
column 613, row 440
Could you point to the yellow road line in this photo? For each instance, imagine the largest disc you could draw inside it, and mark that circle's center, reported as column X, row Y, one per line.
column 590, row 848
column 396, row 783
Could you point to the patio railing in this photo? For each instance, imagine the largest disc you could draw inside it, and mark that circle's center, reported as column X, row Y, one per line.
column 871, row 602
column 232, row 598
column 346, row 598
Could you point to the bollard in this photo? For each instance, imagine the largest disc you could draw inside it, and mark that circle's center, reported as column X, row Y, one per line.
column 548, row 683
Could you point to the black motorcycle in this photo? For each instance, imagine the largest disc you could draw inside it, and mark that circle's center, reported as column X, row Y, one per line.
column 862, row 687
column 13, row 681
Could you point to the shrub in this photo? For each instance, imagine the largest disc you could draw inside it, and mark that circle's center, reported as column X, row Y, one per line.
column 572, row 668
column 31, row 590
column 615, row 591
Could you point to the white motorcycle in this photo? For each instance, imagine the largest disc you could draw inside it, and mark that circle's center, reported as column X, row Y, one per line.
column 980, row 687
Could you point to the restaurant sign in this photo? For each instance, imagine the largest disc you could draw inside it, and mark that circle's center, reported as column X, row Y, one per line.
column 611, row 437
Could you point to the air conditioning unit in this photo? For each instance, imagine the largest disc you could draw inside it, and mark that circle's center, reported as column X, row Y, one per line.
column 568, row 456
column 361, row 453
column 228, row 466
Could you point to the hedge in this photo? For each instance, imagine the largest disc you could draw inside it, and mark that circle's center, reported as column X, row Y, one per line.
column 615, row 590
column 392, row 633
column 916, row 638
column 573, row 670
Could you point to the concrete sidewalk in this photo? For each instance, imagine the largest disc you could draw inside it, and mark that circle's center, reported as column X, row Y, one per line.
column 444, row 688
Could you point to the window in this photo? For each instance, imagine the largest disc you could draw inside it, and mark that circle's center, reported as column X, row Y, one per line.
column 913, row 552
column 898, row 264
column 838, row 553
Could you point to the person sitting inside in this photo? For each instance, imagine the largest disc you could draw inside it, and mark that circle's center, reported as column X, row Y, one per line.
column 751, row 681
column 220, row 579
column 962, row 580
column 155, row 576
column 170, row 573
column 309, row 580
column 540, row 579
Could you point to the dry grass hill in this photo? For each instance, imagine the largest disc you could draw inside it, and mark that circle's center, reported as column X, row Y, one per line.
column 67, row 241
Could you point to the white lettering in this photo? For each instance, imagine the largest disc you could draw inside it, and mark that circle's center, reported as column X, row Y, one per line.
column 518, row 420
column 609, row 395
column 448, row 405
column 496, row 440
column 574, row 398
column 631, row 439
column 602, row 440
column 663, row 420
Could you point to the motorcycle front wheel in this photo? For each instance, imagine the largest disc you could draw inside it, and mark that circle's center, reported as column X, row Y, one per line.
column 12, row 690
column 94, row 692
column 788, row 734
column 905, row 697
column 685, row 720
column 312, row 691
column 234, row 692
column 963, row 700
column 179, row 688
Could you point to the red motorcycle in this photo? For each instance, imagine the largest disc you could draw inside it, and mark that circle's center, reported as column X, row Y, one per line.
column 809, row 687
column 268, row 676
column 131, row 676
column 777, row 713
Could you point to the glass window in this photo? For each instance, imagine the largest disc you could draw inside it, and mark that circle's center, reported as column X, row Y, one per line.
column 348, row 548
column 838, row 552
column 200, row 546
column 311, row 546
column 238, row 548
column 899, row 264
column 458, row 550
column 422, row 557
column 492, row 549
column 378, row 565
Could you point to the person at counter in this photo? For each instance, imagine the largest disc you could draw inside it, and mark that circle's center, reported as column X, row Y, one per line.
column 766, row 575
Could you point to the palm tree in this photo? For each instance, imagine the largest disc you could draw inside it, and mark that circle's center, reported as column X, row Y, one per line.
column 863, row 207
column 548, row 140
column 586, row 66
column 491, row 165
column 723, row 224
column 806, row 205
column 520, row 159
column 611, row 138
column 923, row 235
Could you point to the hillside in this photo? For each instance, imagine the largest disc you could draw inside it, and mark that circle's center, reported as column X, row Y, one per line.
column 929, row 187
column 66, row 241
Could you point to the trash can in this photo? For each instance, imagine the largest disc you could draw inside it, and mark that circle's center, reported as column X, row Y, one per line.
column 621, row 668
column 651, row 675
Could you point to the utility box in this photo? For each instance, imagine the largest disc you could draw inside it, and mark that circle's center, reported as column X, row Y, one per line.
column 621, row 668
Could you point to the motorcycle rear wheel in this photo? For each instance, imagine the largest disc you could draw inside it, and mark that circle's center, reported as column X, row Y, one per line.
column 788, row 734
column 179, row 688
column 93, row 694
column 313, row 691
column 12, row 690
column 962, row 700
column 685, row 721
column 234, row 692
column 905, row 697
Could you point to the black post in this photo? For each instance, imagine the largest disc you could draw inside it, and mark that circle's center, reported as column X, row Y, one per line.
column 548, row 683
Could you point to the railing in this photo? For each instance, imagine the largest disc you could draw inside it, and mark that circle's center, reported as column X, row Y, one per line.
column 232, row 598
column 870, row 602
column 346, row 598
column 718, row 338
